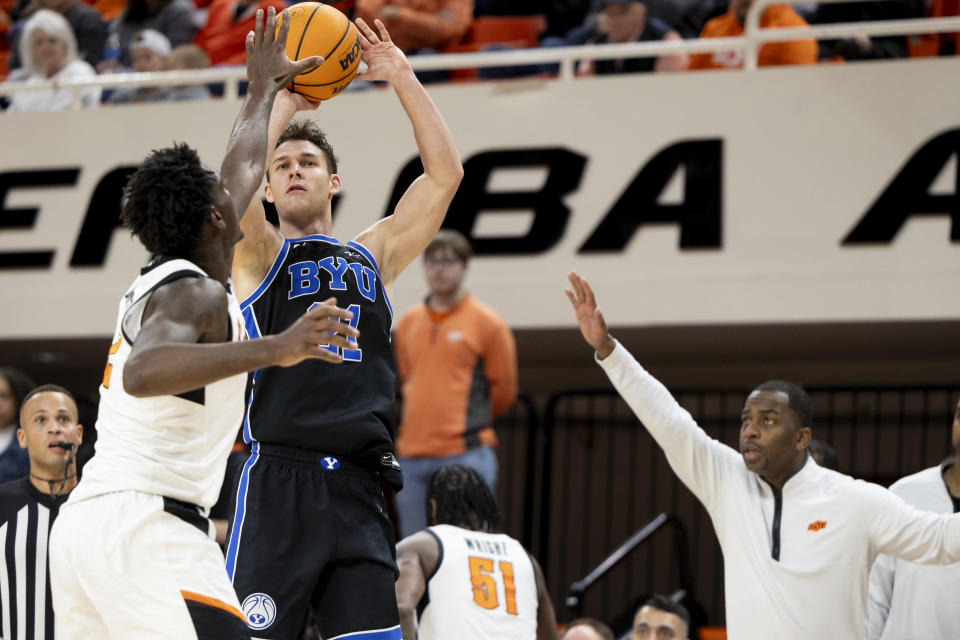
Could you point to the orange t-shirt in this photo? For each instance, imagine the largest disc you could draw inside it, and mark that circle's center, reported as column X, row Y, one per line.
column 421, row 24
column 772, row 53
column 459, row 371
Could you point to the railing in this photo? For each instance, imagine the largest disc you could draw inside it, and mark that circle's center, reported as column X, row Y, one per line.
column 579, row 588
column 749, row 44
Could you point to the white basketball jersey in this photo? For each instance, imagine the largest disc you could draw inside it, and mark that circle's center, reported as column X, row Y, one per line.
column 173, row 446
column 484, row 588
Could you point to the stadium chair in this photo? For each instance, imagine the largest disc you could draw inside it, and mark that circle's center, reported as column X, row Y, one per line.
column 713, row 633
column 514, row 32
column 933, row 44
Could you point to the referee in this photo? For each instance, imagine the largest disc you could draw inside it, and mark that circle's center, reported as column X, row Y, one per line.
column 50, row 434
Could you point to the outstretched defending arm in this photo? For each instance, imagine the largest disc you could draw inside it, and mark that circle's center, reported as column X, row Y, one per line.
column 166, row 358
column 399, row 238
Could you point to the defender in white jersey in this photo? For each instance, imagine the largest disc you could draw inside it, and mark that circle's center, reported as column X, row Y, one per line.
column 132, row 554
column 460, row 580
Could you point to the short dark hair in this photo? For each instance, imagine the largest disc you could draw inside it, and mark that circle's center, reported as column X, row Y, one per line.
column 20, row 385
column 450, row 239
column 51, row 388
column 663, row 603
column 462, row 498
column 309, row 131
column 827, row 455
column 799, row 400
column 166, row 202
column 605, row 632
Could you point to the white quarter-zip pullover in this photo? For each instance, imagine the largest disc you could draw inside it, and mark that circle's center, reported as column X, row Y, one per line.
column 796, row 560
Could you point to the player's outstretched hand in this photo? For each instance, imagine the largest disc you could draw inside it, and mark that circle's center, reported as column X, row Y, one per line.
column 592, row 325
column 324, row 325
column 267, row 61
column 384, row 60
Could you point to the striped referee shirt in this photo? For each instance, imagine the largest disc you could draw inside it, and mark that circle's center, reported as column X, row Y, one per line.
column 26, row 515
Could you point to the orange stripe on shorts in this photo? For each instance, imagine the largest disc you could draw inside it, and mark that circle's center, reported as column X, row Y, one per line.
column 211, row 602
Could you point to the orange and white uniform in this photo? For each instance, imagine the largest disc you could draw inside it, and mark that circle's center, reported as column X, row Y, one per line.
column 484, row 586
column 132, row 553
column 772, row 53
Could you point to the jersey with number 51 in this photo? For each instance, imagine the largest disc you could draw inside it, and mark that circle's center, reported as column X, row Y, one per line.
column 484, row 586
column 342, row 409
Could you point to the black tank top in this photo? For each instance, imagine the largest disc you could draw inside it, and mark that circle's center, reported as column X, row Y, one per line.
column 347, row 408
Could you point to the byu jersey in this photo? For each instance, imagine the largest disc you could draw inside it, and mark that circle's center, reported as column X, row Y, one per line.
column 173, row 446
column 346, row 408
column 484, row 586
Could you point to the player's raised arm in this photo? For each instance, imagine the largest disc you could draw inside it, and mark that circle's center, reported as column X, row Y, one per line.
column 268, row 70
column 401, row 237
column 417, row 556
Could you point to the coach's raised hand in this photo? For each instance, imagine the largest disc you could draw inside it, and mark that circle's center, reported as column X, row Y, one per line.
column 592, row 325
column 324, row 325
column 267, row 60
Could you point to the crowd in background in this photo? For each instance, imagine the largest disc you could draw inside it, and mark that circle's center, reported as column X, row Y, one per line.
column 77, row 39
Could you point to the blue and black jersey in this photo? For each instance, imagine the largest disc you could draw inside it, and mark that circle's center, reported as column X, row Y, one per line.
column 344, row 409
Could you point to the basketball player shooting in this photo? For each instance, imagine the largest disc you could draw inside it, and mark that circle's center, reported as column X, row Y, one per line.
column 310, row 527
column 132, row 553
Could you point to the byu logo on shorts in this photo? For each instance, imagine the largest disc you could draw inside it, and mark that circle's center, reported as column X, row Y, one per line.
column 259, row 611
column 330, row 463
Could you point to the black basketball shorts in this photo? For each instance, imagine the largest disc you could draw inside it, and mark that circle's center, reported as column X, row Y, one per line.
column 310, row 529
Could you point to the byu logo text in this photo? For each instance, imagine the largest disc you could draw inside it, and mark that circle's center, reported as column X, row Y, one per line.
column 330, row 463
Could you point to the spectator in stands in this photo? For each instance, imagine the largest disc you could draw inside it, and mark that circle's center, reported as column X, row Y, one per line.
column 909, row 600
column 586, row 629
column 418, row 25
column 14, row 387
column 184, row 58
column 224, row 35
column 627, row 21
column 823, row 454
column 173, row 18
column 773, row 53
column 49, row 52
column 864, row 47
column 149, row 51
column 89, row 30
column 458, row 365
column 797, row 539
column 660, row 618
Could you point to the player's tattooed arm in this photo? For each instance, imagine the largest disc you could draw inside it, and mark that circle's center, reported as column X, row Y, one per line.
column 268, row 70
column 417, row 557
column 180, row 346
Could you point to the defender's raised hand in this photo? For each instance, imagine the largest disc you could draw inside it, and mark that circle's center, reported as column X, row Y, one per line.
column 267, row 61
column 384, row 60
column 592, row 325
column 323, row 325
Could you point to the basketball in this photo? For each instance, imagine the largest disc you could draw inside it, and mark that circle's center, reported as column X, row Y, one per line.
column 320, row 30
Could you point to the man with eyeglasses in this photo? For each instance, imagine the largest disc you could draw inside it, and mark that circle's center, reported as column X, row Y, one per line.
column 661, row 618
column 458, row 365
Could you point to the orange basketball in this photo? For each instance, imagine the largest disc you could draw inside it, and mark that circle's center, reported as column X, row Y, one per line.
column 320, row 30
